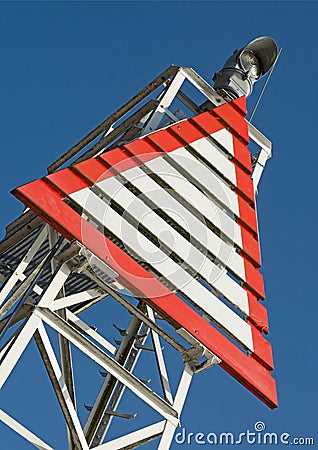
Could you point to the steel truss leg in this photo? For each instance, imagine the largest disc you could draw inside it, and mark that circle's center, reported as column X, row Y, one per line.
column 101, row 358
column 165, row 429
column 127, row 355
column 97, row 412
column 160, row 360
column 12, row 356
column 60, row 388
column 64, row 346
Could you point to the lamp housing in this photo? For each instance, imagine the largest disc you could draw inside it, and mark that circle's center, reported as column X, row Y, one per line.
column 245, row 67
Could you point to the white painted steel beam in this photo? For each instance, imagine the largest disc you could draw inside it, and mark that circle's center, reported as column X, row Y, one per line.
column 90, row 332
column 60, row 388
column 11, row 358
column 178, row 403
column 94, row 424
column 264, row 154
column 133, row 355
column 165, row 102
column 21, row 341
column 7, row 345
column 134, row 439
column 24, row 432
column 140, row 315
column 163, row 374
column 55, row 286
column 65, row 302
column 18, row 274
column 21, row 290
column 64, row 346
column 204, row 87
column 105, row 361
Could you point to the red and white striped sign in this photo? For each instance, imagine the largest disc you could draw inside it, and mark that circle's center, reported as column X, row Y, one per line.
column 174, row 213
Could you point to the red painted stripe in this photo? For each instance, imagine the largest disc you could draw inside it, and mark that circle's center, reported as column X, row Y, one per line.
column 240, row 105
column 141, row 148
column 244, row 184
column 242, row 155
column 66, row 180
column 48, row 204
column 248, row 216
column 94, row 168
column 254, row 280
column 233, row 119
column 187, row 131
column 207, row 123
column 164, row 141
column 118, row 157
column 257, row 312
column 102, row 167
column 250, row 247
column 268, row 386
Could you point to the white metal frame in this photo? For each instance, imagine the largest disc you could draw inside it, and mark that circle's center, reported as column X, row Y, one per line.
column 23, row 431
column 45, row 312
column 53, row 309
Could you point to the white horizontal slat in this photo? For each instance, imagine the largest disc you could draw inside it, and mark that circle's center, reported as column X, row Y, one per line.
column 209, row 181
column 225, row 138
column 212, row 154
column 221, row 249
column 205, row 300
column 205, row 206
column 176, row 243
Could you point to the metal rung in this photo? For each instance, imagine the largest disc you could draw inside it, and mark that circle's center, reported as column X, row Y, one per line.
column 120, row 330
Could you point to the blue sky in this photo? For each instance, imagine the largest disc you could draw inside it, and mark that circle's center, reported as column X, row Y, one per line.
column 65, row 66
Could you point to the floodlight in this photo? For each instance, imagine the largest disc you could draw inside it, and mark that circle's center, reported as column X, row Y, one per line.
column 246, row 66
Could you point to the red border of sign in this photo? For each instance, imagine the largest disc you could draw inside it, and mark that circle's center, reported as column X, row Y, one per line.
column 46, row 196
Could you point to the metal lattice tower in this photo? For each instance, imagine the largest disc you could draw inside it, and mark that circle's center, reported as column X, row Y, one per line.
column 50, row 278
